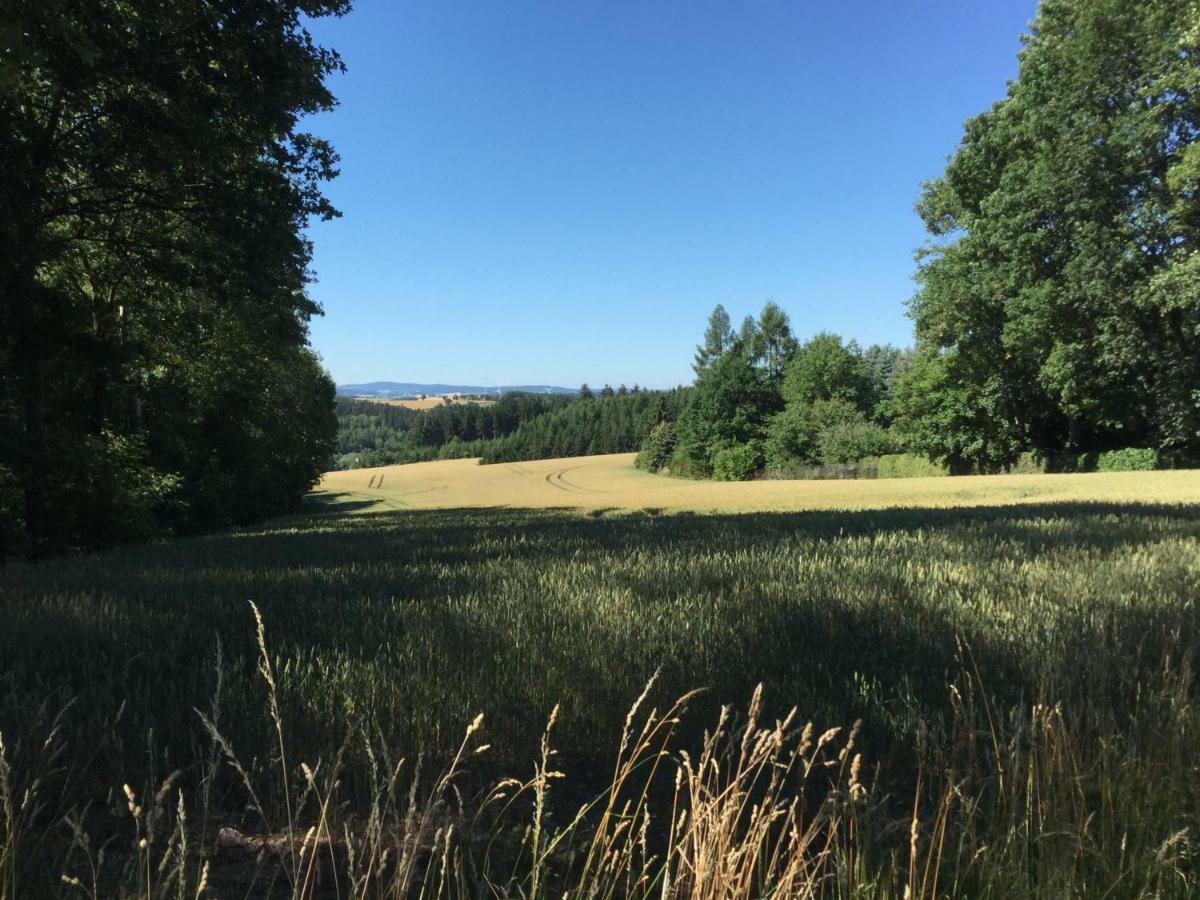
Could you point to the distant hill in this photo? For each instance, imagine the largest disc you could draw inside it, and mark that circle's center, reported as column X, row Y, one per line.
column 409, row 389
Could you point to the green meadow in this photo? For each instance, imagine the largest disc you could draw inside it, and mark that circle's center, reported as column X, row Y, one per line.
column 1021, row 676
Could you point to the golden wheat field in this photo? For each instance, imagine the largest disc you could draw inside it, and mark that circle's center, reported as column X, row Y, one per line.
column 612, row 482
column 426, row 403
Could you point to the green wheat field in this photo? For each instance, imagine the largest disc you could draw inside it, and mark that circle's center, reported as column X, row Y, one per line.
column 1020, row 676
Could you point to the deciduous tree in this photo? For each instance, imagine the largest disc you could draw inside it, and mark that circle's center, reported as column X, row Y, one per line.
column 154, row 185
column 1057, row 305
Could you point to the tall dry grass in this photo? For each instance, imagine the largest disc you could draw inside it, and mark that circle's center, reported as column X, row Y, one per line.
column 1039, row 801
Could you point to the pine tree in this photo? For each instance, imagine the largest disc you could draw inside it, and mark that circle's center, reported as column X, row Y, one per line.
column 717, row 339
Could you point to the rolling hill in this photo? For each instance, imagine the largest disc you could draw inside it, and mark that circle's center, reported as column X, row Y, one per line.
column 389, row 389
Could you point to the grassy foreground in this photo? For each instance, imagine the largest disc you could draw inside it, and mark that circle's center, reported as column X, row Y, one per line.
column 1022, row 673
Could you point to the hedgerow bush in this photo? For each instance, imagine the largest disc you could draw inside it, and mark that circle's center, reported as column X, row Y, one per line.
column 905, row 465
column 1129, row 459
column 739, row 462
column 1027, row 464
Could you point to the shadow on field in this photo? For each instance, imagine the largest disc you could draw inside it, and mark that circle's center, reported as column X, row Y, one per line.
column 336, row 503
column 417, row 620
column 455, row 534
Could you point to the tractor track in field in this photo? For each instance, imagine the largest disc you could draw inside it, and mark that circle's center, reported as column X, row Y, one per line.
column 559, row 480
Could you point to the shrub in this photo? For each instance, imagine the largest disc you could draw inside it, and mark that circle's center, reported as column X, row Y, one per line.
column 110, row 493
column 656, row 451
column 906, row 465
column 1027, row 464
column 848, row 442
column 1129, row 459
column 729, row 405
column 688, row 464
column 739, row 462
column 794, row 435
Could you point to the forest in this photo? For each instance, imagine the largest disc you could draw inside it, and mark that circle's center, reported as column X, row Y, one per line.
column 610, row 423
column 377, row 434
column 518, row 426
column 155, row 370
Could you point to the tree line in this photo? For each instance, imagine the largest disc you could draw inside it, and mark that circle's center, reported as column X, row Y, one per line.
column 378, row 434
column 1058, row 305
column 155, row 373
column 613, row 422
column 516, row 427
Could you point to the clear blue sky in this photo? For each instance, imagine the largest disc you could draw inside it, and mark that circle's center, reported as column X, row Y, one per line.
column 559, row 192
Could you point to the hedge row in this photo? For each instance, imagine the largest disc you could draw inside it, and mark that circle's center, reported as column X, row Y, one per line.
column 909, row 465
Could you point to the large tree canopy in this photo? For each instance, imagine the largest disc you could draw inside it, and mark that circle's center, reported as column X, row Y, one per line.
column 1059, row 304
column 154, row 362
column 729, row 406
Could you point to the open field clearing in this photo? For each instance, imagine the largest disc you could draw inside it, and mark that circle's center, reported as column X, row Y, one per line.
column 427, row 403
column 1022, row 673
column 612, row 482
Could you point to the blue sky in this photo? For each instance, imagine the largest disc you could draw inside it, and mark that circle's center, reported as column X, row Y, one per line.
column 559, row 192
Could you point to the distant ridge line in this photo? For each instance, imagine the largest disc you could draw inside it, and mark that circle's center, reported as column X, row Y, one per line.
column 389, row 389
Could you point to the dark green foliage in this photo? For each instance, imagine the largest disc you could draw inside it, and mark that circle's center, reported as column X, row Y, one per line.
column 259, row 460
column 737, row 462
column 517, row 427
column 657, row 448
column 885, row 365
column 765, row 400
column 851, row 441
column 154, row 370
column 826, row 369
column 607, row 424
column 718, row 337
column 1058, row 308
column 372, row 434
column 837, row 404
column 377, row 434
column 951, row 421
column 771, row 342
column 730, row 404
column 795, row 433
column 1131, row 459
